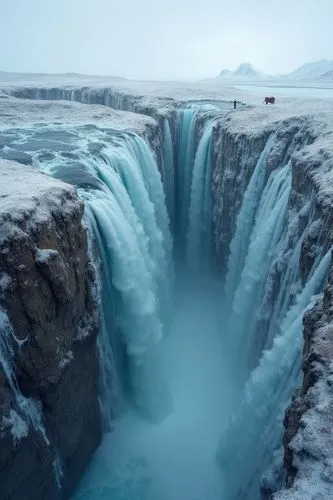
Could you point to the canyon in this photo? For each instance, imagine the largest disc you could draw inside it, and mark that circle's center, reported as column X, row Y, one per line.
column 186, row 218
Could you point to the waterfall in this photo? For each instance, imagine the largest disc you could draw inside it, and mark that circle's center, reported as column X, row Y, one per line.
column 268, row 359
column 263, row 241
column 244, row 224
column 193, row 183
column 130, row 223
column 169, row 172
column 255, row 431
column 199, row 236
column 186, row 148
column 127, row 217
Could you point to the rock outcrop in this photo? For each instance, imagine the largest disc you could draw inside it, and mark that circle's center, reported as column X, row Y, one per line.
column 49, row 412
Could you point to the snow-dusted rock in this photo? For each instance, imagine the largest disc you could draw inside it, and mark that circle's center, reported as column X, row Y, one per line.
column 48, row 369
column 309, row 420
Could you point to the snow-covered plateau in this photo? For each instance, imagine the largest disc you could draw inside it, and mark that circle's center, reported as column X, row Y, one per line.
column 196, row 239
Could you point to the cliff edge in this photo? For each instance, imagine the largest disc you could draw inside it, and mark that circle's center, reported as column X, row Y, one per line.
column 49, row 412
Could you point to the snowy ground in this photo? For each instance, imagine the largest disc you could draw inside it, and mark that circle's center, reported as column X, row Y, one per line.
column 252, row 92
column 21, row 112
column 29, row 197
column 293, row 102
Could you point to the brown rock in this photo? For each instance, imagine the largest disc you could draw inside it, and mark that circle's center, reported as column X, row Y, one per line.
column 46, row 293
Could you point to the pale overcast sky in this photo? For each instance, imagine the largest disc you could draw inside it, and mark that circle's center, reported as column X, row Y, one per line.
column 163, row 39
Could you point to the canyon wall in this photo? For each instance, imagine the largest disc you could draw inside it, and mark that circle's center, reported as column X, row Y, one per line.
column 50, row 419
column 308, row 438
column 302, row 142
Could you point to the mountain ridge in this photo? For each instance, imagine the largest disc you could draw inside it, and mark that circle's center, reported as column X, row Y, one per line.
column 321, row 69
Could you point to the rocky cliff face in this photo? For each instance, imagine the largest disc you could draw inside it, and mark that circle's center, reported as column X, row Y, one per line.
column 49, row 413
column 308, row 438
column 237, row 149
column 238, row 144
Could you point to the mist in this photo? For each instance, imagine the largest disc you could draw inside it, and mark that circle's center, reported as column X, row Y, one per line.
column 175, row 459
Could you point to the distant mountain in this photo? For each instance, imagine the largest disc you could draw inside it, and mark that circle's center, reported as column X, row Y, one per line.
column 225, row 73
column 313, row 70
column 327, row 76
column 244, row 71
column 317, row 70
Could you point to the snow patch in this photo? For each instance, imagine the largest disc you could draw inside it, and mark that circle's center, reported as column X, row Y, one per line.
column 5, row 282
column 18, row 427
column 66, row 359
column 30, row 199
column 43, row 256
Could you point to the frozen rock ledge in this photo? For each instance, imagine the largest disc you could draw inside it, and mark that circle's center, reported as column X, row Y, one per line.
column 49, row 413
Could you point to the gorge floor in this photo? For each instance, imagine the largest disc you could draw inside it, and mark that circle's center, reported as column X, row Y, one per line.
column 175, row 459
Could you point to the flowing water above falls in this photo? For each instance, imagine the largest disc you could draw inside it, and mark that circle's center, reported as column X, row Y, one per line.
column 198, row 404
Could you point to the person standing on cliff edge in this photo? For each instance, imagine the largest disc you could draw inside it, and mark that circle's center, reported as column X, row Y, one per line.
column 235, row 104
